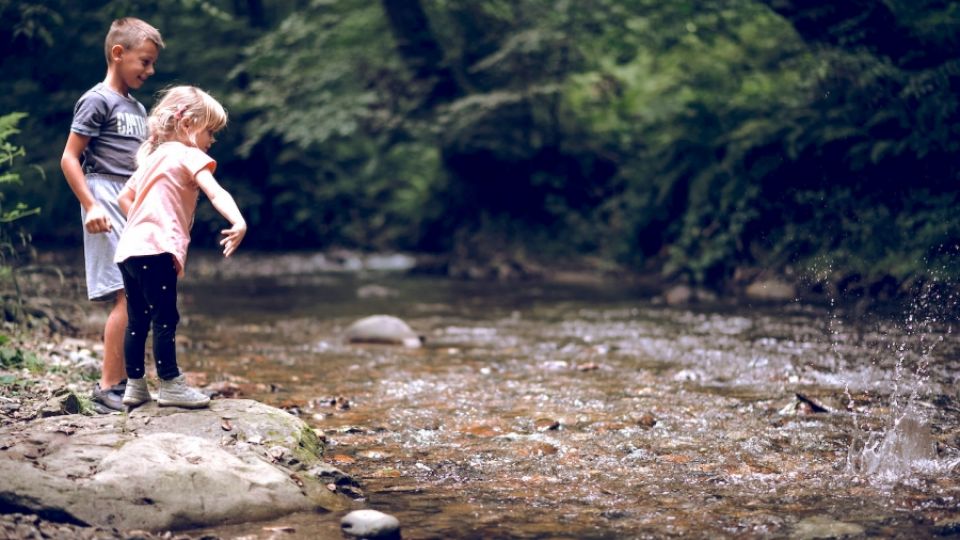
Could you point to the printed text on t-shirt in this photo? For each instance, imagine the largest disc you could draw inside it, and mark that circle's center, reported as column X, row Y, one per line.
column 131, row 124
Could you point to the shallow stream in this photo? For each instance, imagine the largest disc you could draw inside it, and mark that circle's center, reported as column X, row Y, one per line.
column 591, row 411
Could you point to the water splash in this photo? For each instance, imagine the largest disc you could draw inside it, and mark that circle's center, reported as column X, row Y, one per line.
column 907, row 448
column 898, row 453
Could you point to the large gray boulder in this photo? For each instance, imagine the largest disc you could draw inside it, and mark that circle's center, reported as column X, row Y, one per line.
column 384, row 330
column 168, row 469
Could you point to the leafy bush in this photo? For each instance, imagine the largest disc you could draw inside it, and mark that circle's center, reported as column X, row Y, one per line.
column 13, row 357
column 13, row 240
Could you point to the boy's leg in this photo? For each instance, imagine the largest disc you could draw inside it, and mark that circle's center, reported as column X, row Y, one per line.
column 104, row 283
column 113, row 367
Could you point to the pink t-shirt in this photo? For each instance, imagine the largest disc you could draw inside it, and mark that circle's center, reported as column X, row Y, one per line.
column 165, row 192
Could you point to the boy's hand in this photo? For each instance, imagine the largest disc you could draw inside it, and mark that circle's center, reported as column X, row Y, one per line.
column 232, row 238
column 97, row 220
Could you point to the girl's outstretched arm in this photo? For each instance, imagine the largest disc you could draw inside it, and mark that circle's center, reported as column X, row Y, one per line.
column 227, row 207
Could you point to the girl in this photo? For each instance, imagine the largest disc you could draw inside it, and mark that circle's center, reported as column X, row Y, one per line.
column 159, row 201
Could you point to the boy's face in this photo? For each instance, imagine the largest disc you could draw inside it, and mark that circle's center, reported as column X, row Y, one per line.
column 134, row 66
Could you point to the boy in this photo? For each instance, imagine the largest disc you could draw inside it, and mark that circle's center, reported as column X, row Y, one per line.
column 107, row 129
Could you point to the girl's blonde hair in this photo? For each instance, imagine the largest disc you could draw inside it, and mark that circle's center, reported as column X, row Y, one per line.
column 177, row 104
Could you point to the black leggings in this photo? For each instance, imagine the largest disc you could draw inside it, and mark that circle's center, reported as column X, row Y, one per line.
column 151, row 288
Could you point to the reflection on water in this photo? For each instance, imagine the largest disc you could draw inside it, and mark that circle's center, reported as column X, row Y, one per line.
column 541, row 411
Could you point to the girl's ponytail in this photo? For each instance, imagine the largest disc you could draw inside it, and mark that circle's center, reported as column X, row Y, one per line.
column 147, row 147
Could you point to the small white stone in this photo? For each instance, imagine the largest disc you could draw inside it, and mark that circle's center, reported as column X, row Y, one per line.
column 370, row 524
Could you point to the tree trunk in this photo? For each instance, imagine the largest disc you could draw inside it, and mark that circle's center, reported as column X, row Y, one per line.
column 420, row 50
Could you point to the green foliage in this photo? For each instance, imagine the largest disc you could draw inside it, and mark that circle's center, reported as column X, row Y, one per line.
column 14, row 357
column 745, row 146
column 13, row 384
column 308, row 78
column 13, row 241
column 691, row 137
column 326, row 99
column 9, row 151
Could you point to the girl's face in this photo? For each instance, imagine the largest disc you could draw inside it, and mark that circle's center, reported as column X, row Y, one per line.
column 201, row 137
column 204, row 139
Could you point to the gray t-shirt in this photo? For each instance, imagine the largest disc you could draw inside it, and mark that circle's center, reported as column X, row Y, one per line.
column 116, row 126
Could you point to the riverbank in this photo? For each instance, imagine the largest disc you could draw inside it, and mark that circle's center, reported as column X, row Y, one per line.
column 68, row 465
column 46, row 374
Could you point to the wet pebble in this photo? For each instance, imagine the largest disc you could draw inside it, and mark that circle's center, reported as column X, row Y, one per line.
column 224, row 389
column 370, row 524
column 375, row 455
column 546, row 424
column 646, row 420
column 482, row 431
column 538, row 449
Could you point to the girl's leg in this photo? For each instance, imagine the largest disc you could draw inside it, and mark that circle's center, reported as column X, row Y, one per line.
column 138, row 319
column 160, row 291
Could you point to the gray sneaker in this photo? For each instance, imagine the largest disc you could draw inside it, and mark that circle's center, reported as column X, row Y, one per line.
column 176, row 393
column 111, row 398
column 136, row 393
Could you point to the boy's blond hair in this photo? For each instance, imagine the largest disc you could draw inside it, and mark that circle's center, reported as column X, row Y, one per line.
column 129, row 33
column 176, row 104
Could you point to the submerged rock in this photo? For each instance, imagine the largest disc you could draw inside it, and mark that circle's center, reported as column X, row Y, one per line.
column 370, row 524
column 382, row 329
column 771, row 290
column 166, row 469
column 678, row 295
column 817, row 527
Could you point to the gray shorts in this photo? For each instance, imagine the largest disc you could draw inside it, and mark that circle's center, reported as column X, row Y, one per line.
column 103, row 275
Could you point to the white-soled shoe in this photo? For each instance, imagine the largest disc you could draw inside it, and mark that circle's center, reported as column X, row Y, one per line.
column 136, row 393
column 176, row 393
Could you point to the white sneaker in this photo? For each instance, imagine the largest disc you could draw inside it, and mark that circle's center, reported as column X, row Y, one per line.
column 136, row 393
column 176, row 393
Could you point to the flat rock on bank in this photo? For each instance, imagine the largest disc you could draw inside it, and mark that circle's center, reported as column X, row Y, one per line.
column 167, row 469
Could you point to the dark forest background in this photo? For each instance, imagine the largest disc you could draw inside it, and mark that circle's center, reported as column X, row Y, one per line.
column 708, row 141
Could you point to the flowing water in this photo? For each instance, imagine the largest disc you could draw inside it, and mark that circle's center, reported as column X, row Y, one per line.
column 590, row 411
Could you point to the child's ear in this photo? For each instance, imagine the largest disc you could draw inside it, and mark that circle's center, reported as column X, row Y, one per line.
column 116, row 52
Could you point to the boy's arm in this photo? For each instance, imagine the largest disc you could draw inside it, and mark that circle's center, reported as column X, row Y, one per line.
column 97, row 220
column 227, row 207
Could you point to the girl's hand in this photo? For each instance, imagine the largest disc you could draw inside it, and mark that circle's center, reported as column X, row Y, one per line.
column 232, row 237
